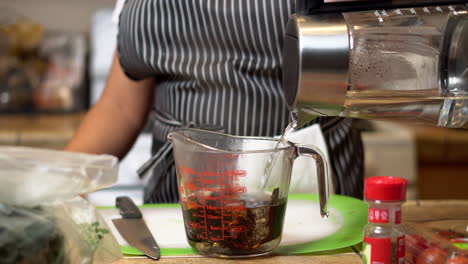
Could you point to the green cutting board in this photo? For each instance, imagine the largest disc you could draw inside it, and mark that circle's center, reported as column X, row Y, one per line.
column 354, row 218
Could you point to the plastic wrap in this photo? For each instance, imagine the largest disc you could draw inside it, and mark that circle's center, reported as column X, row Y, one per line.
column 43, row 218
column 441, row 241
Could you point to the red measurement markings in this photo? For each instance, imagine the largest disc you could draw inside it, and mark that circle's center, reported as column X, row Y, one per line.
column 235, row 173
column 199, row 215
column 235, row 229
column 224, row 208
column 211, row 189
column 201, row 223
column 235, row 188
column 210, row 216
column 191, row 187
column 228, row 173
column 214, row 208
column 198, row 180
column 232, row 232
column 206, row 181
column 230, row 180
column 196, row 225
column 187, row 170
column 204, row 218
column 201, row 226
column 234, row 214
column 209, row 173
column 211, row 198
column 236, row 208
column 191, row 205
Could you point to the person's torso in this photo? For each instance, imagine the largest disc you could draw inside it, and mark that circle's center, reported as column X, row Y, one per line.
column 218, row 62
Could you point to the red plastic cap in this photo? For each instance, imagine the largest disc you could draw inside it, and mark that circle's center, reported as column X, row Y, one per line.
column 385, row 188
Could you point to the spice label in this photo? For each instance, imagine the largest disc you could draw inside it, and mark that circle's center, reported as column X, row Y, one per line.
column 378, row 215
column 401, row 249
column 398, row 217
column 377, row 250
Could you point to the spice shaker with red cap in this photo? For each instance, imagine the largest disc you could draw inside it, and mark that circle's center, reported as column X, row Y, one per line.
column 384, row 236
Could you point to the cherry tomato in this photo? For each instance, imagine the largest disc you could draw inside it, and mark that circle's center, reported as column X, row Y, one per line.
column 432, row 255
column 446, row 235
column 415, row 244
column 459, row 240
column 460, row 259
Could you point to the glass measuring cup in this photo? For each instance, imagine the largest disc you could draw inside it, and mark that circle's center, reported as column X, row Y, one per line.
column 229, row 208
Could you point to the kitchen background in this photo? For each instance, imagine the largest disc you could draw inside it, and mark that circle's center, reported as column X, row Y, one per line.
column 57, row 66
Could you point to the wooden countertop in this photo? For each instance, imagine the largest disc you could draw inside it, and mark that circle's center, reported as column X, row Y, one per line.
column 325, row 259
column 44, row 130
column 441, row 145
column 412, row 211
column 54, row 130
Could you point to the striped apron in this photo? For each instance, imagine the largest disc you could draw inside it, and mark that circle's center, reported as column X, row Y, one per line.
column 218, row 65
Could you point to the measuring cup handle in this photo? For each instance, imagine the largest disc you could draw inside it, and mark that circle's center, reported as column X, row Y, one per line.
column 322, row 173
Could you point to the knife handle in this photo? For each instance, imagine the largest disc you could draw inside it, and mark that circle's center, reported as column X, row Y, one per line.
column 127, row 208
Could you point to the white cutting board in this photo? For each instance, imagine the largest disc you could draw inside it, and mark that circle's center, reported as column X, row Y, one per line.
column 302, row 224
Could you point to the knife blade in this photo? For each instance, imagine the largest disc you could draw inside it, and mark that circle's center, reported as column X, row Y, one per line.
column 133, row 228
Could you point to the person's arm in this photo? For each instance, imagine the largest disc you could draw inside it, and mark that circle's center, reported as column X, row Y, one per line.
column 113, row 123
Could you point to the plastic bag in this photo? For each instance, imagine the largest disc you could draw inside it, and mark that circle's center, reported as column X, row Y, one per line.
column 43, row 218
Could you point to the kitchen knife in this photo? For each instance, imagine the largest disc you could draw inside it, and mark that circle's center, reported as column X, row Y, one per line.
column 133, row 229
